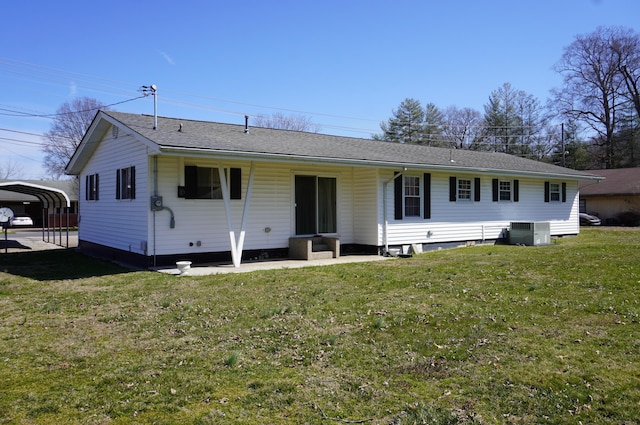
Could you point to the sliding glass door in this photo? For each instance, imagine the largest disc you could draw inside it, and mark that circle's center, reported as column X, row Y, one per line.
column 315, row 205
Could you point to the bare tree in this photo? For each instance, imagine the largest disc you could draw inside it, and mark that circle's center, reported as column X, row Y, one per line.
column 280, row 121
column 462, row 126
column 594, row 85
column 69, row 125
column 626, row 46
column 9, row 170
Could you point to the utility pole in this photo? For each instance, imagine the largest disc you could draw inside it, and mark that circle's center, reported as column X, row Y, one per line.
column 564, row 150
column 153, row 91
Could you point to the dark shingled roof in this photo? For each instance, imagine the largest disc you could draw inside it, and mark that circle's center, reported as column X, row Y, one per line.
column 296, row 145
column 621, row 181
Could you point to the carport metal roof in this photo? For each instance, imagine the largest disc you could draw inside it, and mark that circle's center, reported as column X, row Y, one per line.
column 49, row 196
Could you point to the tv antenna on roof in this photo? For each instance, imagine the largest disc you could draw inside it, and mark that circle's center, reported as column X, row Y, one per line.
column 152, row 90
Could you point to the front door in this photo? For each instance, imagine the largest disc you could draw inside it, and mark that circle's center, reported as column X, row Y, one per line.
column 315, row 205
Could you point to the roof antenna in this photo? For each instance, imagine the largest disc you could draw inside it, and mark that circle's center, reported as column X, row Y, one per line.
column 246, row 124
column 152, row 90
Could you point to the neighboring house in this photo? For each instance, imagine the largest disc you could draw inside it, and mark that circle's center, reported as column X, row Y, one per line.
column 204, row 191
column 618, row 193
column 32, row 198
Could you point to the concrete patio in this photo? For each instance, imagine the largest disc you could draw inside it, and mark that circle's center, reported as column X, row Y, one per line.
column 210, row 269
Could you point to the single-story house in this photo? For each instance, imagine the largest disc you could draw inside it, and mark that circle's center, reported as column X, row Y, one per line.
column 617, row 194
column 154, row 190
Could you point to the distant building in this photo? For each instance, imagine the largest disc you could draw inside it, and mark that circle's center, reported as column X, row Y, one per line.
column 618, row 193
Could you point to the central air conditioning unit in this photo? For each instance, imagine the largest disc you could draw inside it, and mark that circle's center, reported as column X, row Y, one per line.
column 531, row 233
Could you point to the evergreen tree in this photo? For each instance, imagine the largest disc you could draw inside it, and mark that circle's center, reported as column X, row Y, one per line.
column 433, row 126
column 406, row 126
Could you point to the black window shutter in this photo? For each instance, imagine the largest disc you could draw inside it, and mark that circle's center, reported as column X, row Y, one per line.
column 190, row 181
column 427, row 196
column 453, row 190
column 133, row 182
column 236, row 183
column 97, row 186
column 117, row 184
column 564, row 192
column 547, row 191
column 86, row 187
column 494, row 190
column 476, row 189
column 516, row 190
column 397, row 197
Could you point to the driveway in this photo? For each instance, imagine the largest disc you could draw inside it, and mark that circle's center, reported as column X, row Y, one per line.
column 33, row 239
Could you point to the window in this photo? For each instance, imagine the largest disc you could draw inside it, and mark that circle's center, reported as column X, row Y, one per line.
column 554, row 192
column 412, row 196
column 504, row 190
column 126, row 183
column 464, row 189
column 92, row 187
column 204, row 182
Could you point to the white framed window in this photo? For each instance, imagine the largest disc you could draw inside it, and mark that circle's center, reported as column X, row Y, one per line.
column 554, row 192
column 412, row 196
column 465, row 189
column 504, row 190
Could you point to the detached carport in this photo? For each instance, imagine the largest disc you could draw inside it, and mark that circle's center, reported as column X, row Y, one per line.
column 54, row 202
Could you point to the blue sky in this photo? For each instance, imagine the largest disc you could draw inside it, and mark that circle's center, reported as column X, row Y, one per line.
column 345, row 64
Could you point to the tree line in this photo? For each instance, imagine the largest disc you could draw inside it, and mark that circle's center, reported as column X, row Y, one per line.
column 592, row 121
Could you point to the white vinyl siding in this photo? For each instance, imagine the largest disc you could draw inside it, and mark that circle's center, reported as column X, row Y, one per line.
column 471, row 221
column 201, row 224
column 108, row 221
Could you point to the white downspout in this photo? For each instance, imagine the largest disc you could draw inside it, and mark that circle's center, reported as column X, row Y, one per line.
column 385, row 223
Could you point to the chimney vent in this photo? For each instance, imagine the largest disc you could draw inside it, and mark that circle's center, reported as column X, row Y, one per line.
column 180, row 128
column 246, row 124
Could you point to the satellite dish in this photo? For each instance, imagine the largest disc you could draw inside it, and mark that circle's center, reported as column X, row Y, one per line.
column 5, row 214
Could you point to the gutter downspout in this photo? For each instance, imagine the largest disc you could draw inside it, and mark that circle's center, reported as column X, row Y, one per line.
column 385, row 223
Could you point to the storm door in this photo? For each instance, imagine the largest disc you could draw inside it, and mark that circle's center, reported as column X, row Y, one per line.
column 315, row 205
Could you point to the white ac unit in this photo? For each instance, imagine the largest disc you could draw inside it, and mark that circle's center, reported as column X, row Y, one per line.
column 532, row 233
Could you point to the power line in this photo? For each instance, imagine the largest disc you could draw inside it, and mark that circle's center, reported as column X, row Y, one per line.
column 56, row 75
column 23, row 142
column 26, row 114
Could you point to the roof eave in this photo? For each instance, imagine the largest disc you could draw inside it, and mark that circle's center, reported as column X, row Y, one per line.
column 269, row 157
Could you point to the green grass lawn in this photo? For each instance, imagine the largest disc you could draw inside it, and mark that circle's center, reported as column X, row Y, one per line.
column 479, row 335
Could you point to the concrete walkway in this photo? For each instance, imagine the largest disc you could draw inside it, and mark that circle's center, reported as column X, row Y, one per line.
column 209, row 269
